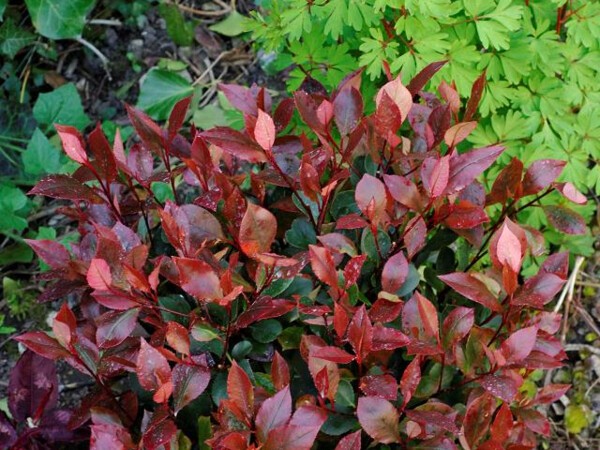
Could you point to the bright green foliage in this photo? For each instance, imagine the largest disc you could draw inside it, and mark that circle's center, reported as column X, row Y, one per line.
column 542, row 95
column 160, row 90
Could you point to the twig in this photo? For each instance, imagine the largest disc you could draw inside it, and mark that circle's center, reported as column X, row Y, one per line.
column 200, row 12
column 97, row 52
column 584, row 347
column 570, row 286
column 209, row 68
column 106, row 22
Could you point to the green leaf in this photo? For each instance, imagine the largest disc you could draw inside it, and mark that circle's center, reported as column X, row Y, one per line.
column 577, row 417
column 180, row 31
column 61, row 106
column 266, row 331
column 160, row 91
column 210, row 116
column 301, row 234
column 59, row 19
column 232, row 25
column 3, row 4
column 13, row 39
column 41, row 156
column 12, row 202
column 178, row 304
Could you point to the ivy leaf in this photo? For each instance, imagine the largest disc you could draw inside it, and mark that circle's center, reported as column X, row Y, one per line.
column 13, row 38
column 59, row 19
column 61, row 106
column 41, row 156
column 160, row 91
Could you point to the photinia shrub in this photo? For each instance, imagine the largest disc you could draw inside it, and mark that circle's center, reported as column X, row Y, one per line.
column 275, row 288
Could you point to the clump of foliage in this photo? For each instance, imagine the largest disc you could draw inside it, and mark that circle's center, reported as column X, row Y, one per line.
column 541, row 60
column 279, row 288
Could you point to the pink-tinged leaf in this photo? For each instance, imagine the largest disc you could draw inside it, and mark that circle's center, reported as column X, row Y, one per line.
column 502, row 385
column 463, row 215
column 433, row 418
column 353, row 269
column 399, row 94
column 115, row 326
column 159, row 432
column 387, row 118
column 240, row 98
column 394, row 273
column 384, row 386
column 177, row 116
column 360, row 333
column 64, row 187
column 509, row 251
column 472, row 288
column 478, row 418
column 457, row 325
column 535, row 421
column 385, row 311
column 538, row 290
column 557, row 264
column 149, row 132
column 370, row 197
column 415, row 236
column 98, row 275
column 235, row 143
column 519, row 344
column 411, row 377
column 178, row 337
column 42, row 344
column 347, row 110
column 503, row 424
column 385, row 338
column 300, row 433
column 420, row 323
column 273, row 413
column 323, row 265
column 64, row 325
column 466, row 167
column 550, row 393
column 257, row 230
column 32, row 387
column 280, row 372
column 264, row 308
column 309, row 180
column 475, row 97
column 72, row 143
column 189, row 381
column 420, row 80
column 338, row 243
column 152, row 369
column 379, row 418
column 404, row 191
column 51, row 252
column 105, row 436
column 325, row 113
column 333, row 354
column 435, row 174
column 8, row 434
column 113, row 300
column 565, row 219
column 308, row 110
column 458, row 133
column 540, row 175
column 350, row 222
column 264, row 130
column 240, row 392
column 570, row 192
column 449, row 94
column 350, row 442
column 198, row 279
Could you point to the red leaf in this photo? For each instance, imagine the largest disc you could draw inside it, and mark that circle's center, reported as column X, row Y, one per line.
column 159, row 431
column 64, row 187
column 264, row 130
column 309, row 179
column 370, row 197
column 475, row 97
column 153, row 370
column 379, row 418
column 323, row 265
column 240, row 392
column 350, row 442
column 399, row 94
column 507, row 184
column 404, row 191
column 565, row 219
column 463, row 215
column 458, row 133
column 415, row 237
column 300, row 433
column 538, row 290
column 420, row 80
column 347, row 110
column 42, row 344
column 333, row 354
column 257, row 230
column 434, row 175
column 64, row 325
column 387, row 118
column 105, row 436
column 550, row 393
column 240, row 98
column 540, row 174
column 468, row 166
column 177, row 116
column 72, row 143
column 535, row 421
column 472, row 288
column 420, row 322
column 235, row 143
column 114, row 327
column 394, row 273
column 384, row 386
column 457, row 325
column 519, row 344
column 104, row 158
column 178, row 337
column 411, row 377
column 189, row 381
column 502, row 385
column 570, row 192
column 273, row 413
column 360, row 333
column 385, row 311
column 508, row 249
column 280, row 372
column 503, row 424
column 198, row 279
column 353, row 269
column 558, row 264
column 385, row 338
column 264, row 308
column 283, row 113
column 99, row 276
column 307, row 108
column 478, row 418
column 51, row 252
column 149, row 132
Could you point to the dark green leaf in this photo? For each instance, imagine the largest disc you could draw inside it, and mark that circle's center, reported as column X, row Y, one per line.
column 61, row 106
